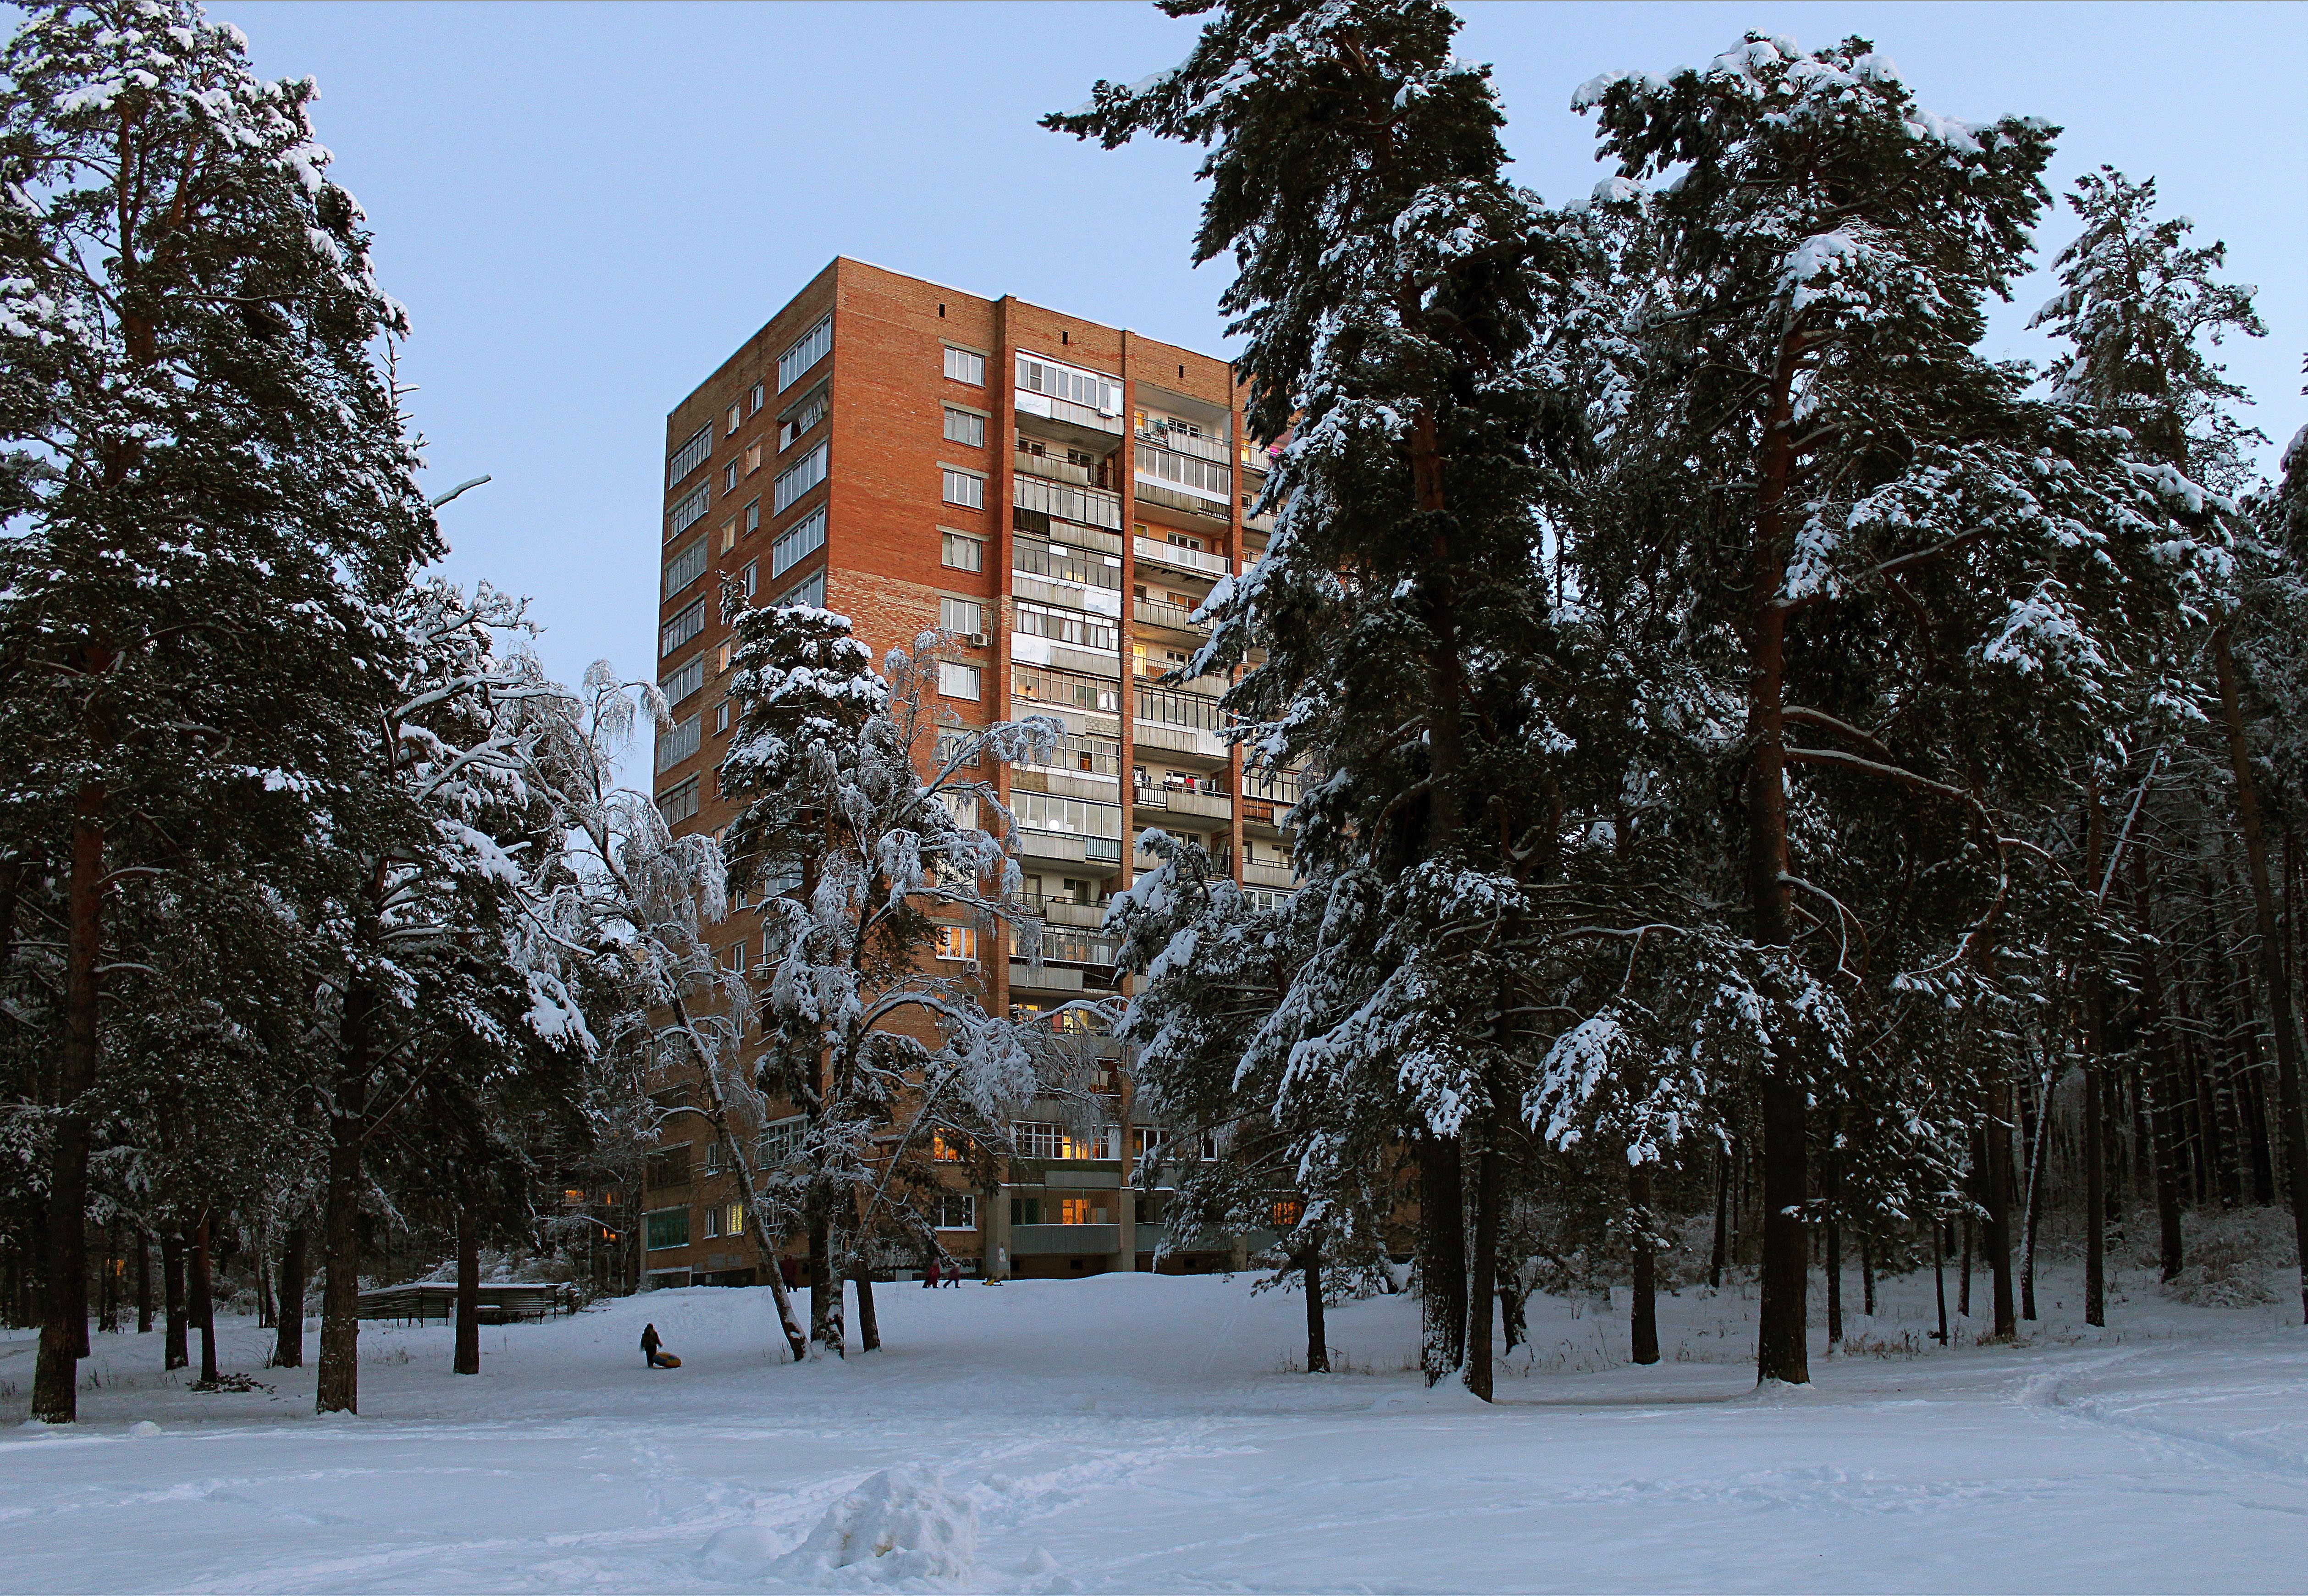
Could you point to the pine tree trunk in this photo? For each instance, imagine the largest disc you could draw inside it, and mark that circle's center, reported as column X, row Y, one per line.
column 1318, row 1340
column 266, row 1317
column 1482, row 1289
column 1644, row 1309
column 289, row 1338
column 176, row 1349
column 338, row 1389
column 1720, row 1251
column 143, row 1281
column 869, row 1323
column 1997, row 1168
column 203, row 1294
column 1441, row 1259
column 467, row 1358
column 2277, row 994
column 107, row 1287
column 2163, row 1098
column 64, row 1321
column 1963, row 1276
column 1867, row 1276
column 1939, row 1278
column 2095, row 1049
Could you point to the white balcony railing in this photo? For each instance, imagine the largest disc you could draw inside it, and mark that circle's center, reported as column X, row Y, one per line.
column 1200, row 561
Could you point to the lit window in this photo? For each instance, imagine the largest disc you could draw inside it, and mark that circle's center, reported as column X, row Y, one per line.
column 966, row 488
column 965, row 366
column 957, row 942
column 947, row 1147
column 957, row 680
column 1284, row 1213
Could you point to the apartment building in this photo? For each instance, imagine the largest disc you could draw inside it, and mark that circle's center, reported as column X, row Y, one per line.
column 1058, row 496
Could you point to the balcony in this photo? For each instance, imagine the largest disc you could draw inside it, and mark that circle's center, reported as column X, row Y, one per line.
column 1191, row 741
column 1178, row 441
column 1063, row 564
column 1181, row 801
column 1024, row 977
column 1213, row 512
column 1052, row 468
column 1065, row 410
column 1175, row 618
column 1266, row 813
column 1066, row 502
column 1065, row 912
column 1178, row 557
column 1042, row 1241
column 1273, row 876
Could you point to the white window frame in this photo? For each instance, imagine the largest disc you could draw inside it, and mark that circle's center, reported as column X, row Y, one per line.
column 805, row 352
column 953, row 543
column 798, row 479
column 965, row 366
column 686, row 624
column 965, row 615
column 679, row 742
column 690, row 511
column 968, row 1202
column 809, row 592
column 685, row 567
column 964, row 487
column 797, row 543
column 953, row 675
column 694, row 452
column 686, row 679
column 798, row 420
column 971, row 425
column 678, row 802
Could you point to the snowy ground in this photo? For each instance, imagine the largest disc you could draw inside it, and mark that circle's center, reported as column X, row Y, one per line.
column 1134, row 1433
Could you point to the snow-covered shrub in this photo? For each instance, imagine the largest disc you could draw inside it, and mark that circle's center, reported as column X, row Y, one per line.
column 2230, row 1256
column 899, row 1524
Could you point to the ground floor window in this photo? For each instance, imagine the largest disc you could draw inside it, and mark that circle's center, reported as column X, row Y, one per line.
column 668, row 1226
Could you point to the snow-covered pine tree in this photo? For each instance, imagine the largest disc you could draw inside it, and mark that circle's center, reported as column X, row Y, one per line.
column 864, row 864
column 212, row 477
column 1893, row 563
column 1388, row 285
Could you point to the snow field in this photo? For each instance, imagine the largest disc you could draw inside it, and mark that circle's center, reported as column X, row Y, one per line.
column 1140, row 1433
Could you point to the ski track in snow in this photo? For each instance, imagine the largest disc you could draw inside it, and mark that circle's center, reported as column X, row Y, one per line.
column 1128, row 1433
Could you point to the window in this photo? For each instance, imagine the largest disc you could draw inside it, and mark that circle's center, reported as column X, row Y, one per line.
column 780, row 1142
column 798, row 479
column 1044, row 1140
column 720, row 710
column 676, row 743
column 728, row 534
column 1171, row 706
column 668, row 1226
column 959, row 553
column 804, row 538
column 1070, row 383
column 958, row 1212
column 725, row 1219
column 959, row 681
column 752, row 458
column 1025, row 1211
column 966, row 489
column 799, row 419
column 731, row 429
column 957, row 942
column 1077, row 817
column 1145, row 1138
column 681, row 628
column 961, row 805
column 1081, row 1210
column 1061, row 564
column 685, row 569
column 965, row 366
column 685, row 681
column 689, row 511
column 807, row 350
column 962, row 427
column 1283, row 1213
column 689, row 456
column 747, row 579
column 1078, row 627
column 680, row 803
column 1064, row 688
column 947, row 1147
column 752, row 518
column 754, row 399
column 1090, row 506
column 958, row 749
column 808, row 593
column 1202, row 478
column 965, row 615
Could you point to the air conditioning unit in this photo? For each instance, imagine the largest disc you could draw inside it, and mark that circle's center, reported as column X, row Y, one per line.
column 976, row 640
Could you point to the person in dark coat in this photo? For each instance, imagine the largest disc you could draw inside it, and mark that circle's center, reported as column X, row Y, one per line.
column 930, row 1274
column 650, row 1344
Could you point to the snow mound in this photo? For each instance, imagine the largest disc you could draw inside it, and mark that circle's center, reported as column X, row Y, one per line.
column 2229, row 1256
column 899, row 1524
column 144, row 1428
column 738, row 1552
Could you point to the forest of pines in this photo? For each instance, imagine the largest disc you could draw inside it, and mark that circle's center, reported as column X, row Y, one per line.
column 1784, row 791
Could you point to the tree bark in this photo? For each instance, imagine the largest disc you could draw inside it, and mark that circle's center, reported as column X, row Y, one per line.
column 825, row 1328
column 2095, row 1046
column 63, row 1320
column 1997, row 1168
column 204, row 1296
column 1643, row 1310
column 175, row 1350
column 2163, row 1098
column 1442, row 1258
column 467, row 1357
column 107, row 1283
column 1718, row 1253
column 1939, row 1278
column 1483, row 1287
column 143, row 1281
column 2279, row 990
column 1867, row 1275
column 338, row 1390
column 289, row 1338
column 1310, row 1275
column 869, row 1323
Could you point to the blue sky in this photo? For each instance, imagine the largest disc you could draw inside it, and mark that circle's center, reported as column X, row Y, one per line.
column 585, row 208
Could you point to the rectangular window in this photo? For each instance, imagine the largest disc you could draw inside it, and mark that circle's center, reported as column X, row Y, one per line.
column 720, row 710
column 947, row 1147
column 1044, row 1140
column 681, row 628
column 752, row 518
column 752, row 458
column 1089, row 506
column 966, row 489
column 1025, row 1211
column 780, row 1142
column 748, row 578
column 689, row 456
column 957, row 942
column 961, row 747
column 728, row 534
column 712, row 1219
column 807, row 350
column 797, row 542
column 962, row 427
column 1061, row 564
column 1077, row 817
column 962, row 807
column 808, row 593
column 958, row 1212
column 680, row 803
column 1076, row 627
column 685, row 567
column 965, row 615
column 676, row 743
column 1080, row 1210
column 1092, row 389
column 965, row 366
column 668, row 1227
column 755, row 397
column 959, row 681
column 685, row 681
column 1039, row 685
column 800, row 418
column 959, row 553
column 798, row 479
column 689, row 511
